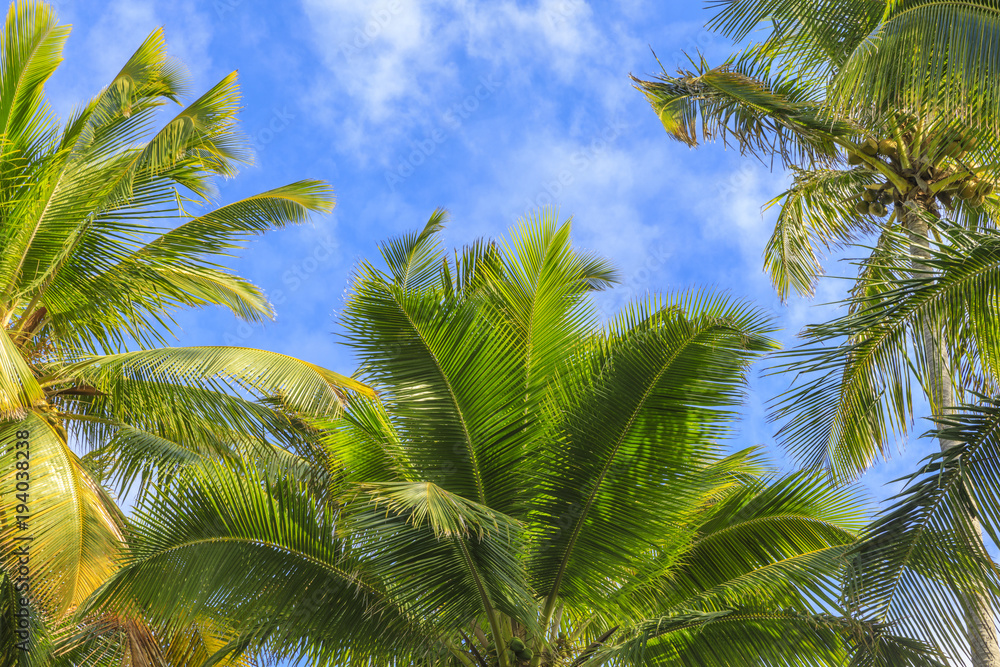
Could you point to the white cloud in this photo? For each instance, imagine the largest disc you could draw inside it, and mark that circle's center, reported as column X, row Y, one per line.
column 382, row 53
column 731, row 205
column 122, row 27
column 397, row 57
column 559, row 33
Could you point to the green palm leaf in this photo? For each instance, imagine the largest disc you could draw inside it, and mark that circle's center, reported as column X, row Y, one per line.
column 855, row 387
column 526, row 486
column 816, row 211
column 205, row 536
column 923, row 554
column 634, row 417
column 67, row 523
column 741, row 101
column 32, row 49
column 734, row 636
column 305, row 387
column 923, row 54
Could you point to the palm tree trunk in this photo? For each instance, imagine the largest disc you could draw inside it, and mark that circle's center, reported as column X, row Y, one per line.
column 983, row 644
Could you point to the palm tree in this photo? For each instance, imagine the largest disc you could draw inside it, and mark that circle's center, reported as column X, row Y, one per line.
column 531, row 489
column 922, row 564
column 98, row 251
column 905, row 94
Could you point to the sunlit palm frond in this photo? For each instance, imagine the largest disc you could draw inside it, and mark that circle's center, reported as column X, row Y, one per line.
column 766, row 637
column 543, row 294
column 809, row 33
column 451, row 374
column 268, row 556
column 922, row 557
column 62, row 517
column 816, row 211
column 303, row 386
column 854, row 390
column 923, row 55
column 468, row 558
column 32, row 50
column 743, row 106
column 637, row 420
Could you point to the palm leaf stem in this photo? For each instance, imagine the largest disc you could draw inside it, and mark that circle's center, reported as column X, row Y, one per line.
column 491, row 613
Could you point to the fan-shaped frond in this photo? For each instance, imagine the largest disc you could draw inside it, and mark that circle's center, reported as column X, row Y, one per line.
column 636, row 423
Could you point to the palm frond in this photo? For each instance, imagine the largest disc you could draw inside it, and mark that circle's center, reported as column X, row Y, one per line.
column 816, row 211
column 303, row 386
column 811, row 33
column 452, row 376
column 854, row 388
column 634, row 417
column 268, row 556
column 735, row 636
column 740, row 104
column 32, row 49
column 923, row 559
column 926, row 55
column 465, row 558
column 62, row 517
column 19, row 389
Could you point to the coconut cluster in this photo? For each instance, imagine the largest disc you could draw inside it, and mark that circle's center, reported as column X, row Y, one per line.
column 930, row 160
column 874, row 201
column 518, row 652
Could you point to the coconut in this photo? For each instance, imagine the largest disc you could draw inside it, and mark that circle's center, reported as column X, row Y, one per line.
column 978, row 200
column 515, row 644
column 861, row 207
column 870, row 195
column 526, row 654
column 968, row 189
column 869, row 147
column 878, row 209
column 888, row 147
column 985, row 188
column 854, row 159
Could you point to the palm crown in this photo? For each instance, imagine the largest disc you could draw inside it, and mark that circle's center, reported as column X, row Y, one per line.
column 886, row 113
column 98, row 250
column 531, row 489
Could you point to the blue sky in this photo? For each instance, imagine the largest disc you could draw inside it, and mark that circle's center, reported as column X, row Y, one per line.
column 488, row 109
